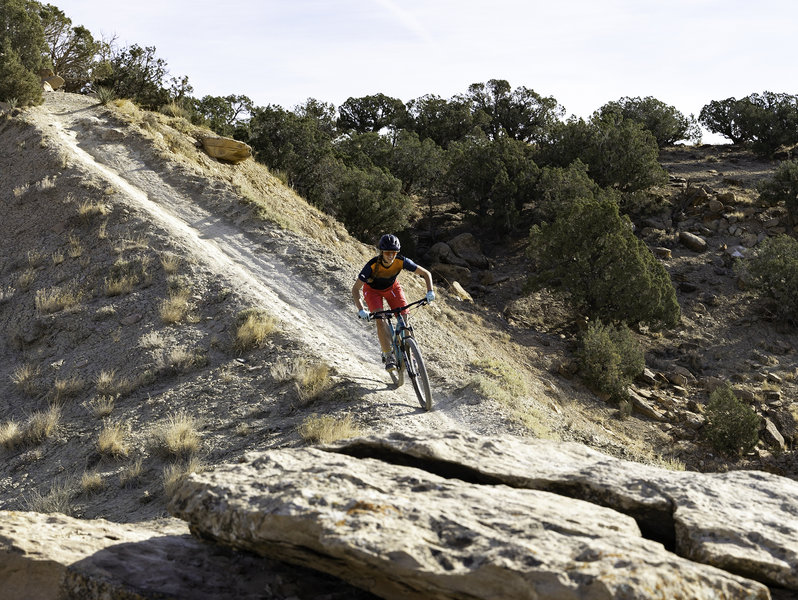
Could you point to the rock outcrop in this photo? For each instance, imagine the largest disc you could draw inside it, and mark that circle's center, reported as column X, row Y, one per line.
column 49, row 557
column 226, row 149
column 742, row 521
column 404, row 532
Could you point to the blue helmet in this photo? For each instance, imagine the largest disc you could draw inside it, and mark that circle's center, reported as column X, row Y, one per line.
column 389, row 242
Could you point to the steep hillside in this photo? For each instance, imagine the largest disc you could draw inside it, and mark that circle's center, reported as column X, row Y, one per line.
column 128, row 257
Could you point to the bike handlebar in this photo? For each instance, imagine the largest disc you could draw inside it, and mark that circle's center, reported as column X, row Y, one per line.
column 389, row 312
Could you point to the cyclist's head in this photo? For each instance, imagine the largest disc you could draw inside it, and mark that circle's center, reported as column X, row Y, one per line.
column 389, row 242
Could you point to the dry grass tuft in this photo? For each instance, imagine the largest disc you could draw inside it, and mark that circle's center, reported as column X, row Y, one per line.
column 312, row 381
column 326, row 428
column 67, row 388
column 75, row 247
column 11, row 435
column 24, row 377
column 58, row 499
column 131, row 474
column 177, row 435
column 170, row 263
column 111, row 441
column 108, row 384
column 101, row 406
column 89, row 209
column 117, row 286
column 175, row 474
column 51, row 301
column 175, row 308
column 91, row 482
column 254, row 326
column 152, row 339
column 26, row 279
column 42, row 424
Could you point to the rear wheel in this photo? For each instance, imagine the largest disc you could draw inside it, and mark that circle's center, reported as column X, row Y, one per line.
column 418, row 373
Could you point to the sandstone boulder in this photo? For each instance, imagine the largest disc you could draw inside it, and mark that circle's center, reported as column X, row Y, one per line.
column 467, row 247
column 403, row 532
column 226, row 149
column 743, row 521
column 49, row 557
column 441, row 252
column 693, row 241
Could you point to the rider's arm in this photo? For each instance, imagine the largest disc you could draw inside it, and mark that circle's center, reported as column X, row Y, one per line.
column 356, row 294
column 422, row 272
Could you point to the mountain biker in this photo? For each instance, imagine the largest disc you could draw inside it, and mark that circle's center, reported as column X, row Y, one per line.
column 378, row 282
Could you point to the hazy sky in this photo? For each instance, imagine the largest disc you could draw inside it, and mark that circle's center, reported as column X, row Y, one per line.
column 584, row 53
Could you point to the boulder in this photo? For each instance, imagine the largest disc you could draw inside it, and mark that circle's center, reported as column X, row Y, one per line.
column 692, row 241
column 706, row 517
column 467, row 247
column 226, row 149
column 441, row 252
column 450, row 272
column 53, row 556
column 403, row 532
column 460, row 292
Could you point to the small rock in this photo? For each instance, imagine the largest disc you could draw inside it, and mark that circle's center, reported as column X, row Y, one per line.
column 692, row 241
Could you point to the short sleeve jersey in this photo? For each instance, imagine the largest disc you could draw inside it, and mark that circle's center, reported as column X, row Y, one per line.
column 380, row 277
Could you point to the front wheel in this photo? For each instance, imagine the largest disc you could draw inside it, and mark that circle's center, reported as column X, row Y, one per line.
column 418, row 373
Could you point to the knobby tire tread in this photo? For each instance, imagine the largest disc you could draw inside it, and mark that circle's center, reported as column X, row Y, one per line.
column 418, row 373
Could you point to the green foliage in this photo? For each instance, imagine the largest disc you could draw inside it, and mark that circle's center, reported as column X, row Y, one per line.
column 619, row 152
column 521, row 114
column 371, row 113
column 491, row 179
column 139, row 75
column 558, row 187
column 73, row 51
column 773, row 272
column 301, row 148
column 610, row 359
column 591, row 256
column 223, row 114
column 783, row 187
column 767, row 121
column 369, row 202
column 22, row 51
column 417, row 163
column 732, row 427
column 665, row 123
column 18, row 85
column 439, row 120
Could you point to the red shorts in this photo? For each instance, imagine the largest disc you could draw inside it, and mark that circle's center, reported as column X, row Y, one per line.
column 394, row 295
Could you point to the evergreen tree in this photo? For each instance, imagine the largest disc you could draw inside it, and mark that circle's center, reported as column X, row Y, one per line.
column 591, row 256
column 23, row 49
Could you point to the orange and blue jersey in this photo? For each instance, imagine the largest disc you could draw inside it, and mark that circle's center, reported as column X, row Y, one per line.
column 379, row 277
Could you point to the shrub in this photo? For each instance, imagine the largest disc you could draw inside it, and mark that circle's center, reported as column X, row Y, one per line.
column 592, row 257
column 610, row 359
column 773, row 272
column 783, row 187
column 176, row 473
column 732, row 427
column 175, row 308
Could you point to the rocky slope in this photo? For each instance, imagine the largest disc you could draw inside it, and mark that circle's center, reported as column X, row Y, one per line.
column 112, row 216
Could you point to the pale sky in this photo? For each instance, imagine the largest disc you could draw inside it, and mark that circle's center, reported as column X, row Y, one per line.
column 584, row 53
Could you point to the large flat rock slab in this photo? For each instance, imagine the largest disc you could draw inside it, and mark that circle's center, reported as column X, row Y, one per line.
column 55, row 557
column 401, row 532
column 745, row 522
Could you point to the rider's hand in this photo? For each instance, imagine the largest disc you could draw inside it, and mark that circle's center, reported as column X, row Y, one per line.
column 363, row 314
column 430, row 296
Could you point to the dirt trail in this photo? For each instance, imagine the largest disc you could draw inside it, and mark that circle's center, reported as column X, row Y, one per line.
column 306, row 315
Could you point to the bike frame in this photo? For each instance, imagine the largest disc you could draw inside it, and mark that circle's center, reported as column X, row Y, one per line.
column 403, row 329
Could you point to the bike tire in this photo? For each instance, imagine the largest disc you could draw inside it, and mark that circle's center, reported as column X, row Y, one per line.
column 417, row 372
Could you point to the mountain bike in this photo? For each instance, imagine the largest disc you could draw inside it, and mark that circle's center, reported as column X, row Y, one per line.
column 407, row 352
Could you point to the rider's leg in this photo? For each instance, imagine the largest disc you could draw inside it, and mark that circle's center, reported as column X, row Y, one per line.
column 374, row 301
